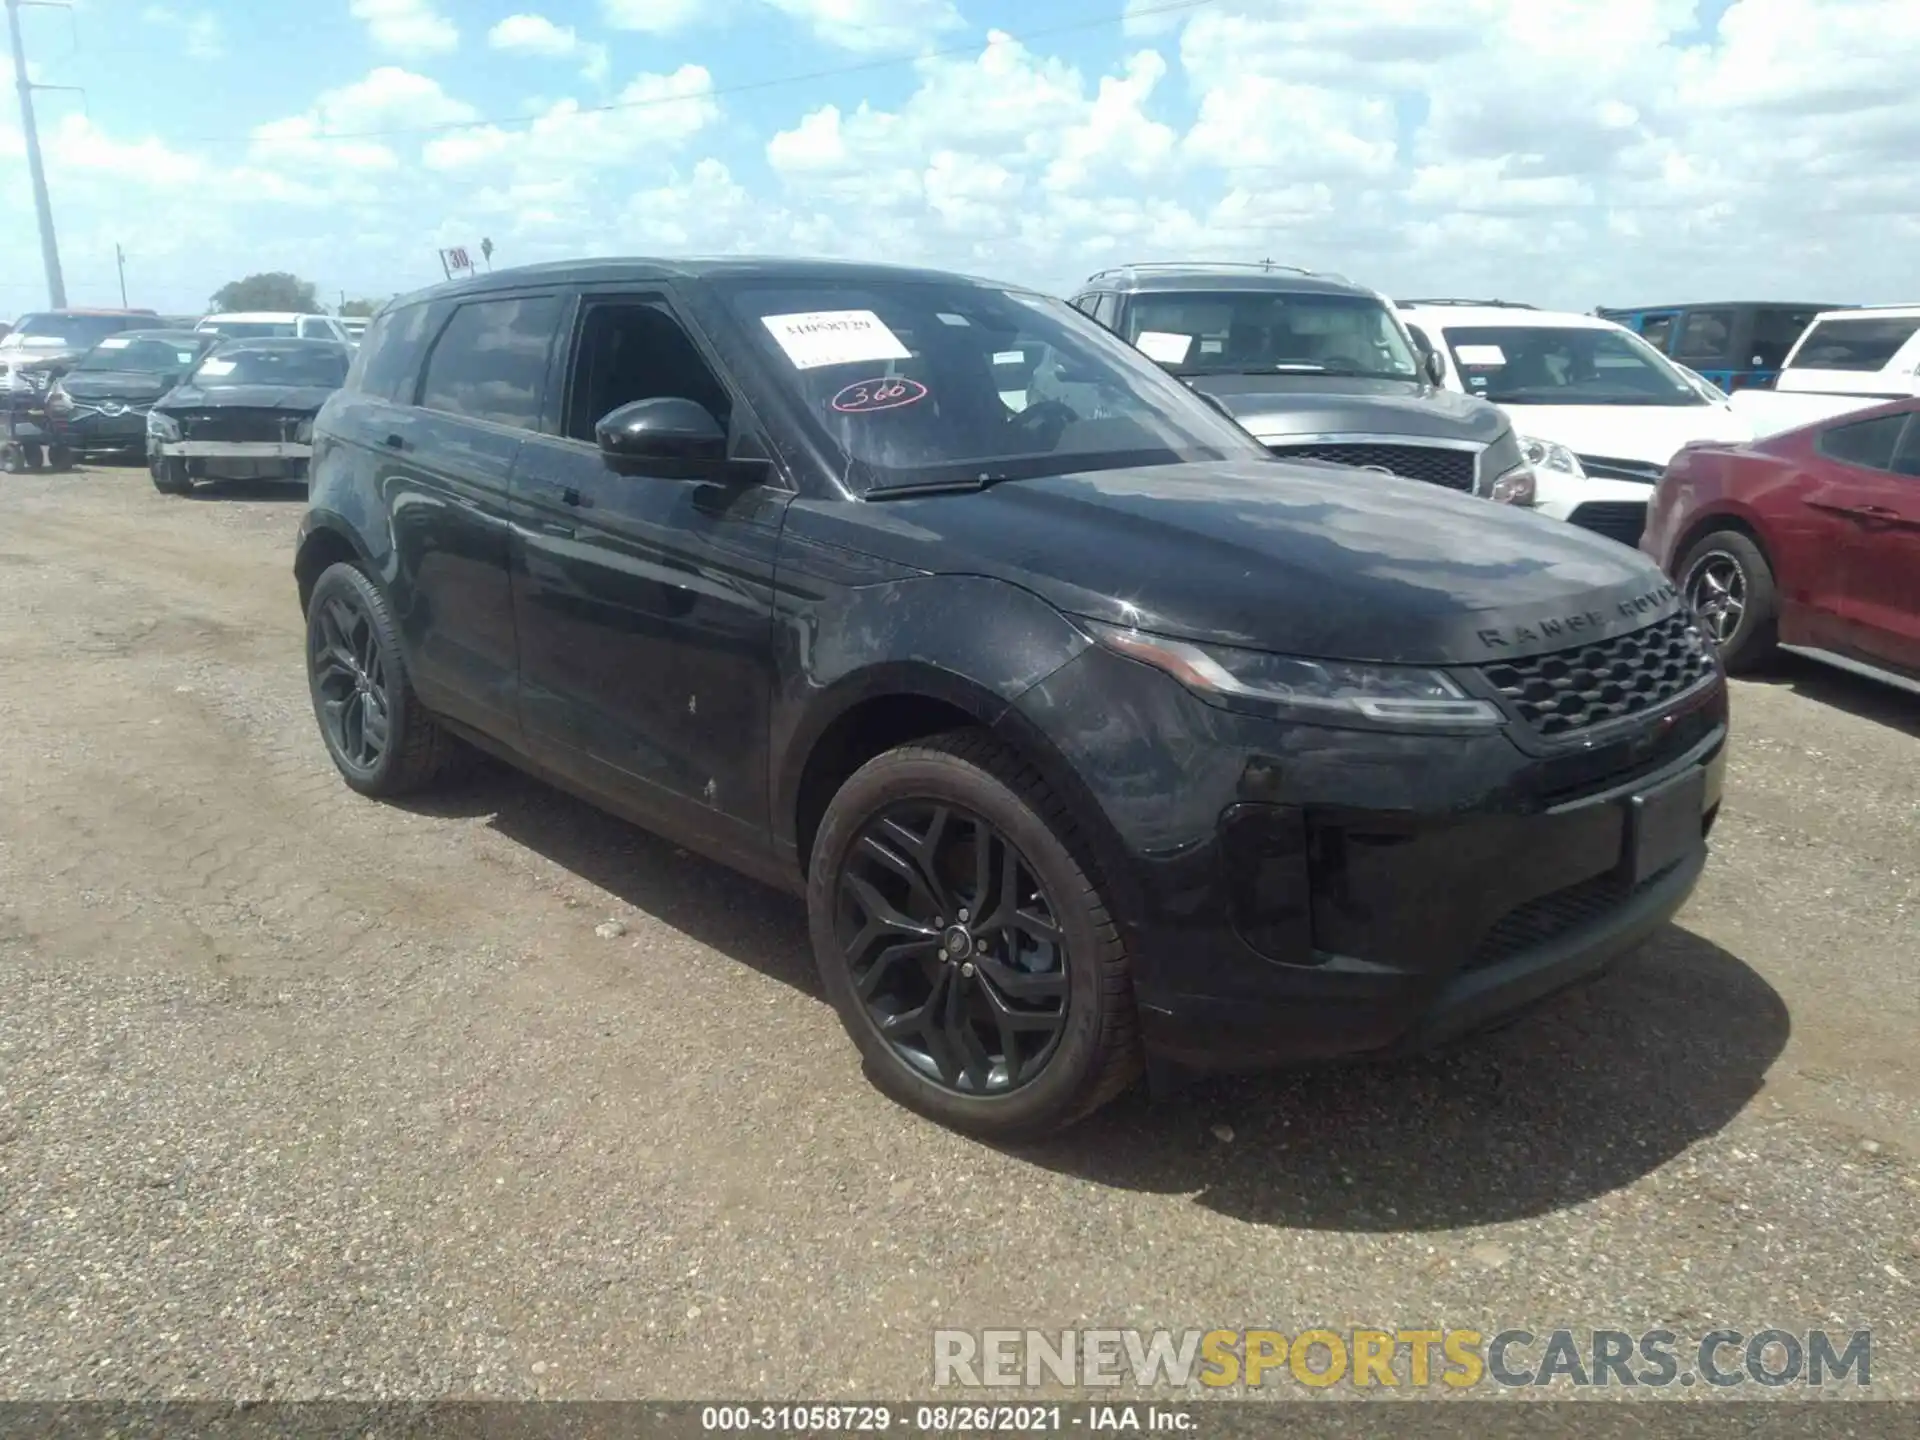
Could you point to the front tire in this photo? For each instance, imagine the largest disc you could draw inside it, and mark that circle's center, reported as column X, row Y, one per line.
column 380, row 737
column 1730, row 586
column 170, row 475
column 965, row 944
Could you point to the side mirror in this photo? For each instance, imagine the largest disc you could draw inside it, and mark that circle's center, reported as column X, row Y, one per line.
column 666, row 435
column 1435, row 366
column 1217, row 403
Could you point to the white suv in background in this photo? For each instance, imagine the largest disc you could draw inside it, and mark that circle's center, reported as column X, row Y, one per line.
column 1845, row 360
column 1599, row 410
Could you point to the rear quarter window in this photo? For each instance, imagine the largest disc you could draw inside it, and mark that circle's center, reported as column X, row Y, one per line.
column 387, row 364
column 1863, row 343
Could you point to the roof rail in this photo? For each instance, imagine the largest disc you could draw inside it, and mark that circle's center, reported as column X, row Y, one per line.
column 1262, row 266
column 1489, row 304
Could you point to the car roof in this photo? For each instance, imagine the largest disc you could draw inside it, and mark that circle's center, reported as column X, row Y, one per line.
column 194, row 335
column 260, row 315
column 1727, row 305
column 1222, row 275
column 1870, row 312
column 643, row 269
column 1506, row 316
column 275, row 342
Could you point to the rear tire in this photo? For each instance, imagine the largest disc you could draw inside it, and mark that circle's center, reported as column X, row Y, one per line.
column 1053, row 1061
column 1730, row 586
column 381, row 739
column 170, row 476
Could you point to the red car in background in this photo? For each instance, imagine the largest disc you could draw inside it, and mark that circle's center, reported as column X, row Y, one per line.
column 1808, row 540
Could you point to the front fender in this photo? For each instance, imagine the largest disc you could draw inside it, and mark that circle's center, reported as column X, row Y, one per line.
column 970, row 642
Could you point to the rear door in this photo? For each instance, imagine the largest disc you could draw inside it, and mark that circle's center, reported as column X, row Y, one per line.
column 446, row 460
column 644, row 602
column 1704, row 341
column 1873, row 472
column 1656, row 327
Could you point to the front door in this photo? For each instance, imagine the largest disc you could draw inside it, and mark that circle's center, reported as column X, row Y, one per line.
column 1656, row 328
column 645, row 602
column 1876, row 580
column 1882, row 578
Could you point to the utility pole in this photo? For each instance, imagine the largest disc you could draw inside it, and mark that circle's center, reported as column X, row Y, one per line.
column 120, row 259
column 49, row 249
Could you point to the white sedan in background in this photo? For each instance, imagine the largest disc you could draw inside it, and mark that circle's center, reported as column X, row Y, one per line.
column 1601, row 411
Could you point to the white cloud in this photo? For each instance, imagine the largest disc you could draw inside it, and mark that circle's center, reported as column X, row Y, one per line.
column 873, row 26
column 200, row 32
column 406, row 27
column 656, row 17
column 533, row 35
column 342, row 131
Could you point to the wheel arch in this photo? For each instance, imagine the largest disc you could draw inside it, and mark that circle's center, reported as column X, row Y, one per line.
column 326, row 542
column 1736, row 521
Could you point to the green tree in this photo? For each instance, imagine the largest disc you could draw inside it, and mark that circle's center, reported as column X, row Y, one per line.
column 275, row 290
column 359, row 307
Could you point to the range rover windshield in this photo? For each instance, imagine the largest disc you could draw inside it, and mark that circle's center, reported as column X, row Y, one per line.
column 912, row 382
column 1572, row 365
column 1269, row 333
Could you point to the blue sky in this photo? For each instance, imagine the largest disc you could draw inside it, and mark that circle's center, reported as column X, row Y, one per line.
column 1569, row 152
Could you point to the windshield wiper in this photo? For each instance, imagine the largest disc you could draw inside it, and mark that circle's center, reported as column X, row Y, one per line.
column 926, row 487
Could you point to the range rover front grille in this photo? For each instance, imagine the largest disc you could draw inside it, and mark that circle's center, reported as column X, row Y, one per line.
column 1621, row 520
column 1435, row 464
column 1569, row 690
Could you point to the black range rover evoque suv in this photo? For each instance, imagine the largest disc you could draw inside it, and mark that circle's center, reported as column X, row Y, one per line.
column 1092, row 734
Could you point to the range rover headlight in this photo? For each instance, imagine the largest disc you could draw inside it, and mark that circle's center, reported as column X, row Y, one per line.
column 1326, row 691
column 1551, row 455
column 161, row 426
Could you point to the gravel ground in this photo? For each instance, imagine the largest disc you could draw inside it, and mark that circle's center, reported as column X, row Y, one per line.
column 303, row 1095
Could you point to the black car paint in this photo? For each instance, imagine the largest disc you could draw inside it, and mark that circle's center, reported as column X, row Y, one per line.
column 696, row 655
column 299, row 401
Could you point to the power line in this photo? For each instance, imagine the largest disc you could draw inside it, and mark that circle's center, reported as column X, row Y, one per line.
column 743, row 88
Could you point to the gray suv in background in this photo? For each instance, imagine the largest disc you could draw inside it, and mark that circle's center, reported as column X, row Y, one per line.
column 1315, row 367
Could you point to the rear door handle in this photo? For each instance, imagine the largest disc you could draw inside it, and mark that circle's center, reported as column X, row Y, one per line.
column 568, row 495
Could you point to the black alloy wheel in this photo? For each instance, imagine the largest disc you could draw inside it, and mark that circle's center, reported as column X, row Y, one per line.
column 953, row 947
column 960, row 930
column 350, row 682
column 1730, row 588
column 380, row 737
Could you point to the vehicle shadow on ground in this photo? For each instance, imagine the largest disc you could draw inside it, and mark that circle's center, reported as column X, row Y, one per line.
column 1588, row 1093
column 276, row 492
column 739, row 917
column 1872, row 700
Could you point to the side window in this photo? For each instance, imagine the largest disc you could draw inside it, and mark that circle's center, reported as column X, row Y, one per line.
column 636, row 351
column 1084, row 303
column 1906, row 455
column 1657, row 331
column 1867, row 443
column 388, row 363
column 1704, row 336
column 490, row 363
column 1107, row 310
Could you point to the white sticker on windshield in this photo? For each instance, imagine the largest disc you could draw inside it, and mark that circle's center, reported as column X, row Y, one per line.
column 946, row 319
column 1009, row 357
column 217, row 367
column 1164, row 346
column 118, row 342
column 1480, row 355
column 834, row 337
column 185, row 357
